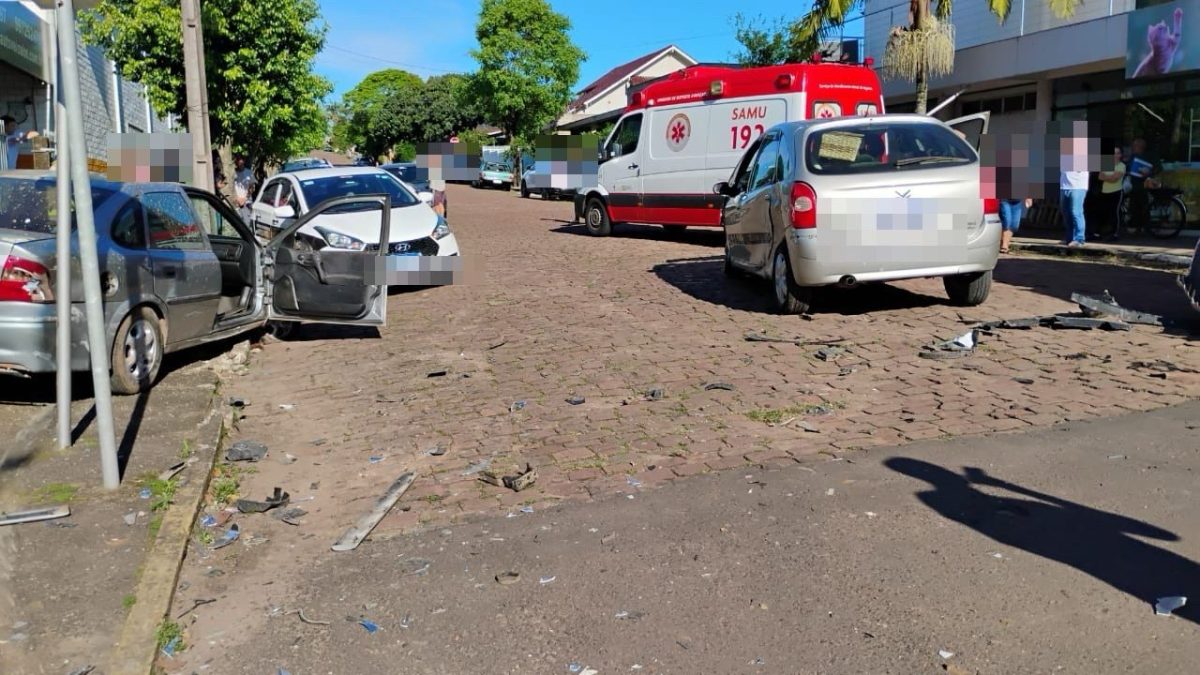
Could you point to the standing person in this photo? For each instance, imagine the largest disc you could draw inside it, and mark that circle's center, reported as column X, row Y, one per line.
column 12, row 142
column 1140, row 168
column 1112, row 186
column 439, row 197
column 1073, row 185
column 243, row 183
column 1012, row 211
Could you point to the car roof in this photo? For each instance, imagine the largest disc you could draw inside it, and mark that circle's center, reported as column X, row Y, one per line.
column 396, row 165
column 335, row 171
column 860, row 120
column 97, row 179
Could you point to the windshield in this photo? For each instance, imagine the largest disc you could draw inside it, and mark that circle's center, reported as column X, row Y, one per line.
column 317, row 190
column 31, row 205
column 496, row 166
column 885, row 147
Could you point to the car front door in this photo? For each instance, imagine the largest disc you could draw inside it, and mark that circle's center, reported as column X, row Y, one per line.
column 187, row 274
column 328, row 285
column 733, row 212
column 762, row 199
column 621, row 171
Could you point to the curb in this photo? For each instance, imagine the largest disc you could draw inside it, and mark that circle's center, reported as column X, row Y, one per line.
column 1161, row 261
column 136, row 649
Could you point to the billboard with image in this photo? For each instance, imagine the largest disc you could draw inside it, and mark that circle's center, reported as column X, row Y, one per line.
column 1158, row 42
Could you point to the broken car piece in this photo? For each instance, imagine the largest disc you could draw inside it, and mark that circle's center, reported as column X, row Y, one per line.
column 1106, row 305
column 246, row 451
column 278, row 498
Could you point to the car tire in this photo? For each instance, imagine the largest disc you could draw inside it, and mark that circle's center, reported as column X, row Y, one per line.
column 596, row 220
column 524, row 190
column 968, row 290
column 137, row 352
column 790, row 298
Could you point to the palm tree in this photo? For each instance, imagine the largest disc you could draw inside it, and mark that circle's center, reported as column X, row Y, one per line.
column 923, row 48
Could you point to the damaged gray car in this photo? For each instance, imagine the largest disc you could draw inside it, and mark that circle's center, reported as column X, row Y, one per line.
column 178, row 268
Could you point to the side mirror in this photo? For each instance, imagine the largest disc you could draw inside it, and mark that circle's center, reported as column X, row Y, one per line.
column 285, row 212
column 614, row 151
column 721, row 188
column 426, row 197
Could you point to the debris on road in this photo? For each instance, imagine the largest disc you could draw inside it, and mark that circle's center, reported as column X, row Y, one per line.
column 171, row 647
column 963, row 345
column 1166, row 606
column 522, row 481
column 808, row 427
column 633, row 482
column 721, row 386
column 516, row 406
column 1023, row 380
column 230, row 536
column 145, row 493
column 130, row 518
column 436, row 451
column 286, row 407
column 277, row 498
column 289, row 458
column 172, row 471
column 305, row 619
column 1161, row 366
column 546, row 580
column 34, row 515
column 1106, row 305
column 498, row 345
column 576, row 400
column 375, row 459
column 290, row 516
column 1054, row 321
column 477, row 467
column 655, row 395
column 415, row 567
column 626, row 615
column 945, row 654
column 759, row 337
column 508, row 578
column 355, row 535
column 437, row 373
column 195, row 605
column 371, row 626
column 238, row 402
column 246, row 451
column 829, row 353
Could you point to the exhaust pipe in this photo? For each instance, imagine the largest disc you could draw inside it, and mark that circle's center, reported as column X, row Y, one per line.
column 848, row 281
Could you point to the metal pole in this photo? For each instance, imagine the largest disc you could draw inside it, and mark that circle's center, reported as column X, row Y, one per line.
column 197, row 98
column 88, row 258
column 62, row 291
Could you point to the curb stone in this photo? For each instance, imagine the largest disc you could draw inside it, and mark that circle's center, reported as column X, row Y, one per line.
column 1161, row 261
column 136, row 649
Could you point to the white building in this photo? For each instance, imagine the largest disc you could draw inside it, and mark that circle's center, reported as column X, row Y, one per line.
column 28, row 72
column 604, row 100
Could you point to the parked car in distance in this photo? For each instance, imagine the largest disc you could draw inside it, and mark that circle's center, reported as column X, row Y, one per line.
column 409, row 174
column 415, row 228
column 866, row 199
column 179, row 268
column 304, row 163
column 534, row 182
column 495, row 174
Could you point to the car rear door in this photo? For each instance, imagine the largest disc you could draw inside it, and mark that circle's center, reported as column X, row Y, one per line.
column 328, row 285
column 762, row 199
column 733, row 215
column 972, row 127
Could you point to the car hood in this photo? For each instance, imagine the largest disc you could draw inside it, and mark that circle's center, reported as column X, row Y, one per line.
column 408, row 223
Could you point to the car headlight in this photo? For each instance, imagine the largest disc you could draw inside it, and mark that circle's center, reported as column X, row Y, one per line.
column 339, row 240
column 442, row 229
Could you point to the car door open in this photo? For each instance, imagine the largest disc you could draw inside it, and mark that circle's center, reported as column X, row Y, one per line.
column 328, row 285
column 972, row 127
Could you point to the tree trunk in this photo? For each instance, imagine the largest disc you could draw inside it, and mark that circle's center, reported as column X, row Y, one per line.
column 920, row 9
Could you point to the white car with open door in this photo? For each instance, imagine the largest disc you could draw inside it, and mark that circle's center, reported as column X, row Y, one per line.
column 865, row 199
column 416, row 229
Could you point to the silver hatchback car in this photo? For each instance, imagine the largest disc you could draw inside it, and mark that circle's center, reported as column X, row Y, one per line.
column 863, row 199
column 178, row 268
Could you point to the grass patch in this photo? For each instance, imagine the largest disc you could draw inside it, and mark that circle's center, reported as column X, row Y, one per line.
column 58, row 493
column 187, row 450
column 162, row 492
column 777, row 415
column 154, row 525
column 225, row 484
column 204, row 536
column 129, row 601
column 433, row 499
column 167, row 631
column 593, row 463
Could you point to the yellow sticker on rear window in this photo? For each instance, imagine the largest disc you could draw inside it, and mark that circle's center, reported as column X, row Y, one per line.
column 840, row 146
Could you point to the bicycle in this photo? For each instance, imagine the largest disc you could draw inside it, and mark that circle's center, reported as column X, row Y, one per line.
column 1168, row 214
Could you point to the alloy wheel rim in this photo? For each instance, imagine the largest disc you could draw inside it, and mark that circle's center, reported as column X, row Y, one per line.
column 780, row 278
column 141, row 349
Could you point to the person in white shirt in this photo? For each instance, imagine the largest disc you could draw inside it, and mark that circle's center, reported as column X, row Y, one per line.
column 12, row 142
column 243, row 182
column 1073, row 183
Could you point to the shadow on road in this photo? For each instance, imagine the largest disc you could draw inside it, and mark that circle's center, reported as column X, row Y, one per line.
column 704, row 279
column 1098, row 543
column 1142, row 290
column 700, row 236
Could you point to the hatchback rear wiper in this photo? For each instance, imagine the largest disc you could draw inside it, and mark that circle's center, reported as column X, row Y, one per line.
column 927, row 160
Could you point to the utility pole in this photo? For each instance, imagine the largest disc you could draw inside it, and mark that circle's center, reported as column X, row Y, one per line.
column 197, row 95
column 81, row 185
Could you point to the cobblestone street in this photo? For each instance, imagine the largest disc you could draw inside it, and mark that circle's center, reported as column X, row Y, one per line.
column 556, row 313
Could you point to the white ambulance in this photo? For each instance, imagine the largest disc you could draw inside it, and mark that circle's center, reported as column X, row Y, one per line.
column 683, row 134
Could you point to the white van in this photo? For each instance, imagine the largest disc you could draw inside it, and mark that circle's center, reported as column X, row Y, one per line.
column 685, row 133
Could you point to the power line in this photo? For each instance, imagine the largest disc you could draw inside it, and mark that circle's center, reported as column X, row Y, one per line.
column 440, row 71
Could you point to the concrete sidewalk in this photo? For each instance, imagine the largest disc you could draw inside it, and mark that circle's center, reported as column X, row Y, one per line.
column 91, row 589
column 1166, row 254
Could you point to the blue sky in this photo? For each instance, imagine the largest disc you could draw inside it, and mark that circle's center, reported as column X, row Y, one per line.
column 436, row 36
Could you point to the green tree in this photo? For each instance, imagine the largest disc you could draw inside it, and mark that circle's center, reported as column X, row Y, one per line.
column 527, row 65
column 922, row 48
column 447, row 108
column 367, row 122
column 264, row 98
column 768, row 43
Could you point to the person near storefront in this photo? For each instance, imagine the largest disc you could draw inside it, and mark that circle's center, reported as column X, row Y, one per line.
column 1073, row 186
column 12, row 142
column 1140, row 169
column 1108, row 201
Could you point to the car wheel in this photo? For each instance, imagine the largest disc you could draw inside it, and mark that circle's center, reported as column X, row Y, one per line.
column 968, row 290
column 596, row 219
column 524, row 190
column 137, row 352
column 789, row 297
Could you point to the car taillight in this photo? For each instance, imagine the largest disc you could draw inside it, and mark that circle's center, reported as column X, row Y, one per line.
column 25, row 281
column 991, row 207
column 803, row 206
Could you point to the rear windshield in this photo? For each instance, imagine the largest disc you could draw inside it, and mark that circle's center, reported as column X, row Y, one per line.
column 317, row 190
column 885, row 147
column 407, row 173
column 31, row 205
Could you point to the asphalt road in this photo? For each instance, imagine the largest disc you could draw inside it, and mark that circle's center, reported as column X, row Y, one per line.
column 1037, row 552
